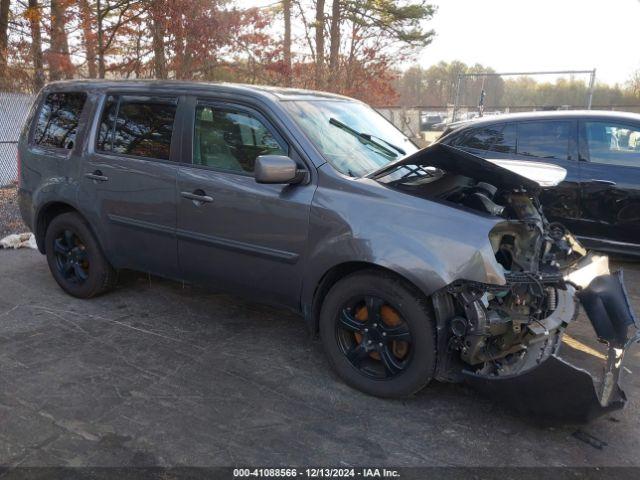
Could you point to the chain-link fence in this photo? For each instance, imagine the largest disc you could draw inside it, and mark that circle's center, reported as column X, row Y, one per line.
column 14, row 108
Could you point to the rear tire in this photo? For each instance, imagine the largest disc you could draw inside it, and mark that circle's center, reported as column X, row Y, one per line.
column 75, row 258
column 359, row 317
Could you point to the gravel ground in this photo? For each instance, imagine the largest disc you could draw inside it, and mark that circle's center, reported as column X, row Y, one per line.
column 10, row 221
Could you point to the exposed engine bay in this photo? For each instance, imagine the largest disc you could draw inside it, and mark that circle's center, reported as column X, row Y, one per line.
column 488, row 333
column 493, row 326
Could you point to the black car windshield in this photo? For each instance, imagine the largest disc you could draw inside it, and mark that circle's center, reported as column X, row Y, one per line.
column 324, row 121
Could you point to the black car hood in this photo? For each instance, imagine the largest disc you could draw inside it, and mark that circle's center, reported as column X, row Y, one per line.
column 454, row 160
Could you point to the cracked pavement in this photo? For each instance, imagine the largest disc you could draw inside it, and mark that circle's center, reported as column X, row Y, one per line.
column 157, row 373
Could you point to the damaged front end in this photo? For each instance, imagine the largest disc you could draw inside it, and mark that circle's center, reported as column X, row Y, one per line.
column 505, row 340
column 508, row 340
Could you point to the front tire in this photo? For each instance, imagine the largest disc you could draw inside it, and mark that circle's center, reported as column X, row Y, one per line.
column 379, row 335
column 75, row 258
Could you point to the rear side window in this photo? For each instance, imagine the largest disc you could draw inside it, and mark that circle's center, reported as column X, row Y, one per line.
column 544, row 139
column 495, row 138
column 137, row 126
column 57, row 124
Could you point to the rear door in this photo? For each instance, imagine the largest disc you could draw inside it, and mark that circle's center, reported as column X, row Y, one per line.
column 233, row 232
column 610, row 151
column 128, row 181
column 555, row 141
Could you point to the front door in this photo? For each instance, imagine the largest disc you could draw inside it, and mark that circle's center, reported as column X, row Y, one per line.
column 234, row 233
column 129, row 183
column 610, row 182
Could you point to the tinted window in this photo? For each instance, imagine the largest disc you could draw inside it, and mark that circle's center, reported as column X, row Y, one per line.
column 496, row 138
column 137, row 127
column 231, row 140
column 544, row 139
column 613, row 143
column 58, row 121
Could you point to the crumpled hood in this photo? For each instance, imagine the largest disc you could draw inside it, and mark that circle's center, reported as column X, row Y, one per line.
column 499, row 172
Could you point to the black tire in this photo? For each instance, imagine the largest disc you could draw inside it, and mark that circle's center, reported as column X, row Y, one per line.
column 75, row 258
column 420, row 361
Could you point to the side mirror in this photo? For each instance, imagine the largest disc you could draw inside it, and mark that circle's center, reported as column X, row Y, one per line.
column 277, row 169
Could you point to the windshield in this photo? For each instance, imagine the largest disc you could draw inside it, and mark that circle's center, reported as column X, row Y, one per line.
column 346, row 151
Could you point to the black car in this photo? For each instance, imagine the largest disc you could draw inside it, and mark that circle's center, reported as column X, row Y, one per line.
column 599, row 199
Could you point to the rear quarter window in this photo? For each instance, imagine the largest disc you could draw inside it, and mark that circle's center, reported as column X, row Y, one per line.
column 57, row 122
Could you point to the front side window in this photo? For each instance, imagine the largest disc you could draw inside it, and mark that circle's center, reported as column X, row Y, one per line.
column 613, row 143
column 231, row 140
column 548, row 139
column 355, row 139
column 494, row 138
column 136, row 126
column 57, row 124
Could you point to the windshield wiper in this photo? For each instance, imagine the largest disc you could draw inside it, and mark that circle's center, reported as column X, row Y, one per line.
column 369, row 138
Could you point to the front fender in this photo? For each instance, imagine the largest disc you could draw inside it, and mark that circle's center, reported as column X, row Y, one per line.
column 428, row 243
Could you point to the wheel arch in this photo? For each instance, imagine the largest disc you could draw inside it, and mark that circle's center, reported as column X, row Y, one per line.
column 337, row 273
column 47, row 213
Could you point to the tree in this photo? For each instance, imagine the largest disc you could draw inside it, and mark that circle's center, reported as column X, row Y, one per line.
column 157, row 25
column 334, row 35
column 87, row 20
column 33, row 15
column 60, row 65
column 319, row 28
column 4, row 39
column 286, row 47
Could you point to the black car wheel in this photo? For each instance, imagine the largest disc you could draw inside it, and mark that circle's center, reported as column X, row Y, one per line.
column 379, row 334
column 75, row 259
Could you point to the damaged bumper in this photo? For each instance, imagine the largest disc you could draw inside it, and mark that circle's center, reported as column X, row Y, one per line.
column 551, row 387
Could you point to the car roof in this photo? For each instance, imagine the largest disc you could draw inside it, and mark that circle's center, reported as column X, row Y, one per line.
column 546, row 115
column 186, row 87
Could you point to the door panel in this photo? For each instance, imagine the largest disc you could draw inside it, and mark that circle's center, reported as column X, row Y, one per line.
column 249, row 238
column 129, row 182
column 232, row 232
column 610, row 180
column 136, row 208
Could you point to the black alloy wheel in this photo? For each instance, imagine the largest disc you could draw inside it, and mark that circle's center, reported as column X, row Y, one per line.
column 379, row 334
column 373, row 337
column 71, row 257
column 75, row 258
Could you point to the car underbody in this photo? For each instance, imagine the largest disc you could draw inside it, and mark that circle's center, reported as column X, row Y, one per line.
column 505, row 339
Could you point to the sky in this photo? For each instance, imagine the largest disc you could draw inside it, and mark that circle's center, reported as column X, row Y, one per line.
column 525, row 35
column 540, row 35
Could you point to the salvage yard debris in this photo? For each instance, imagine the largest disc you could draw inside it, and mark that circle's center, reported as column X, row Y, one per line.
column 22, row 240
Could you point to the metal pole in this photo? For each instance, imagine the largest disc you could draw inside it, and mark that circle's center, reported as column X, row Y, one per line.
column 457, row 97
column 592, row 86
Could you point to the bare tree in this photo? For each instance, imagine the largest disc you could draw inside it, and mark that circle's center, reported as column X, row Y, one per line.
column 319, row 26
column 334, row 35
column 158, row 28
column 87, row 21
column 286, row 5
column 35, row 15
column 60, row 65
column 4, row 39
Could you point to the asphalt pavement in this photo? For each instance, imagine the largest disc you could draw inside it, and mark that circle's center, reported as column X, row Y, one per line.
column 159, row 373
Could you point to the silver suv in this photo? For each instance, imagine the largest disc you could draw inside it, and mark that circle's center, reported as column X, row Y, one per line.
column 411, row 264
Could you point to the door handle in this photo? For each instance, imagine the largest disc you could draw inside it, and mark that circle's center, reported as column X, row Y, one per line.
column 97, row 176
column 197, row 196
column 602, row 182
